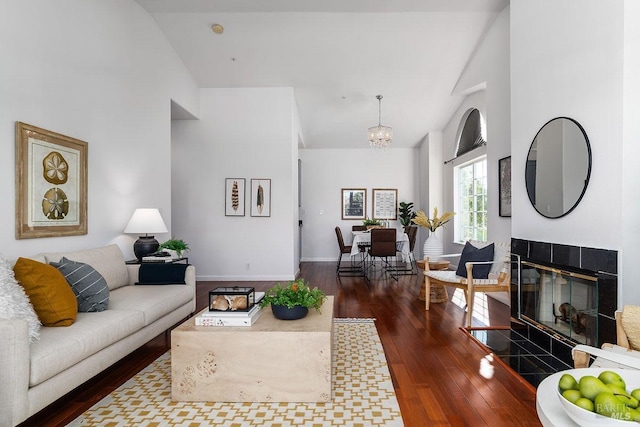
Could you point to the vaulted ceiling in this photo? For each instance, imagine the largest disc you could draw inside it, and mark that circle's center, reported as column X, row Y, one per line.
column 337, row 55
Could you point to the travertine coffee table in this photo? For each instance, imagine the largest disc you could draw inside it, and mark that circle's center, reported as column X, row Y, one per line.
column 271, row 361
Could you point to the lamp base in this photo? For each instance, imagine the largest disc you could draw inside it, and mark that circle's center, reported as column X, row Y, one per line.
column 144, row 246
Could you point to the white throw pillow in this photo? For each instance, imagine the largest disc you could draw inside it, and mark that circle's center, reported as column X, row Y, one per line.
column 14, row 302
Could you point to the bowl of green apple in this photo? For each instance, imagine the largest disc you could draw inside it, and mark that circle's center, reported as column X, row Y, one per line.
column 601, row 396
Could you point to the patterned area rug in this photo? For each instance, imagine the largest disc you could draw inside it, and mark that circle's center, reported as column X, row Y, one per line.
column 363, row 394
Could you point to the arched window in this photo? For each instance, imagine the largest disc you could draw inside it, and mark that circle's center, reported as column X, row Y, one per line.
column 473, row 132
column 471, row 181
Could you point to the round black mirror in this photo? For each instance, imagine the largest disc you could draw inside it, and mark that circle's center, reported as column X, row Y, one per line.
column 558, row 167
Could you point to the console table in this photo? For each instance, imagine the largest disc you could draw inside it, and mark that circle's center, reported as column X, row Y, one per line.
column 270, row 361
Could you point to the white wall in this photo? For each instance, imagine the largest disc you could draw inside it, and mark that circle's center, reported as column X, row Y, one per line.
column 585, row 66
column 629, row 227
column 486, row 82
column 101, row 72
column 241, row 133
column 430, row 185
column 573, row 68
column 326, row 172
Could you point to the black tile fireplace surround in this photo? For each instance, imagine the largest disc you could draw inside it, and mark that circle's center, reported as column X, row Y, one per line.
column 533, row 351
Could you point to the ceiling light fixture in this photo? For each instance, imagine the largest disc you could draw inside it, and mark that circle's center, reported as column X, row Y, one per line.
column 217, row 28
column 380, row 136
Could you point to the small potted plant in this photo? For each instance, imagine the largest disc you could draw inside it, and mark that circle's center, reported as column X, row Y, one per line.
column 406, row 214
column 293, row 300
column 371, row 223
column 176, row 245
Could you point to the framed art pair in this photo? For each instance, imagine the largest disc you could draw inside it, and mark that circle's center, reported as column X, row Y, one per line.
column 354, row 203
column 259, row 197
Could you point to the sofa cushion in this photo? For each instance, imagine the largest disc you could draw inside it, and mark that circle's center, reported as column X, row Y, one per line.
column 50, row 294
column 154, row 301
column 87, row 284
column 471, row 253
column 107, row 260
column 60, row 348
column 14, row 302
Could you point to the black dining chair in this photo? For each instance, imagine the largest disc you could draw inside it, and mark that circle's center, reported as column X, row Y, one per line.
column 345, row 249
column 383, row 246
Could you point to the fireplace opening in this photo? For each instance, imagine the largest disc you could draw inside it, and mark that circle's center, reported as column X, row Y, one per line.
column 564, row 303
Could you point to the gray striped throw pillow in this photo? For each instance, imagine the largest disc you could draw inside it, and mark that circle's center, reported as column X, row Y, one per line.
column 88, row 285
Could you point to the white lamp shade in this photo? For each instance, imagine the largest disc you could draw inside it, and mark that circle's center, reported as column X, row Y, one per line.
column 145, row 221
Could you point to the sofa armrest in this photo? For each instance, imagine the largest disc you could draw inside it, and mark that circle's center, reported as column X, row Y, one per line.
column 14, row 371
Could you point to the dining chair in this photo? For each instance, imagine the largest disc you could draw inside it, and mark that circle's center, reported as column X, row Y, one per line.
column 412, row 233
column 359, row 228
column 383, row 246
column 345, row 249
column 496, row 276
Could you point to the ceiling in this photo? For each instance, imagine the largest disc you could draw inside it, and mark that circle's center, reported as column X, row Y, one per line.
column 337, row 55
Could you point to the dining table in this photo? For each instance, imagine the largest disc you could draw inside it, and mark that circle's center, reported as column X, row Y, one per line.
column 363, row 238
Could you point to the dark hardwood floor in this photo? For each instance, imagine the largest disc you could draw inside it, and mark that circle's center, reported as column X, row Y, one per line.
column 441, row 376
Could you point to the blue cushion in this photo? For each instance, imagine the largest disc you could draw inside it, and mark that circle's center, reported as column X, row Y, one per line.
column 470, row 254
column 89, row 287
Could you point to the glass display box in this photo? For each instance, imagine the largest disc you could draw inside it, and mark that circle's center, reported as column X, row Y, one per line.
column 236, row 298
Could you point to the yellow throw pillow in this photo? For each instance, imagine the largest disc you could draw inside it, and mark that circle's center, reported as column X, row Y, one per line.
column 50, row 294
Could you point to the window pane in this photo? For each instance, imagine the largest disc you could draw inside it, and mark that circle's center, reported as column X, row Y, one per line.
column 471, row 218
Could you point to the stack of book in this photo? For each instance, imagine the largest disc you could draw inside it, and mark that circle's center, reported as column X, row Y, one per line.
column 229, row 318
column 152, row 258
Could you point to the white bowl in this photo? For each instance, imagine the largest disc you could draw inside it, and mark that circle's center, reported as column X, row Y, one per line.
column 587, row 418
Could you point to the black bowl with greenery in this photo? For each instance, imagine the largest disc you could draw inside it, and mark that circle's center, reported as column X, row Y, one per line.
column 293, row 296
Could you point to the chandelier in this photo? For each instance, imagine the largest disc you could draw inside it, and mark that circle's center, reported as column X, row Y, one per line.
column 380, row 136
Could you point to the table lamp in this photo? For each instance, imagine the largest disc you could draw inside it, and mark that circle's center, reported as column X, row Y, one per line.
column 145, row 221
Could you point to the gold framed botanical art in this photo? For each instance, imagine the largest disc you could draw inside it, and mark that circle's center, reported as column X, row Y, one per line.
column 51, row 184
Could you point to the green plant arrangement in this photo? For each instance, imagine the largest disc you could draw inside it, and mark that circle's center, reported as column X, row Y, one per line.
column 406, row 213
column 177, row 245
column 294, row 293
column 432, row 223
column 371, row 222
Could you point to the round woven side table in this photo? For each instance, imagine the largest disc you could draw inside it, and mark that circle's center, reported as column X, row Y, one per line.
column 438, row 292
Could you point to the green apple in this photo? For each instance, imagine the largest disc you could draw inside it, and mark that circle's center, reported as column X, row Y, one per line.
column 636, row 393
column 610, row 377
column 567, row 382
column 571, row 395
column 635, row 414
column 617, row 390
column 590, row 386
column 585, row 403
column 607, row 404
column 630, row 401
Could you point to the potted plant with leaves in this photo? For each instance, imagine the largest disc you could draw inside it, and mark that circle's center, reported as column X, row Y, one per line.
column 293, row 300
column 371, row 223
column 406, row 214
column 178, row 246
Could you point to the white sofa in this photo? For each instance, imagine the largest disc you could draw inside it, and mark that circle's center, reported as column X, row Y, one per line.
column 34, row 375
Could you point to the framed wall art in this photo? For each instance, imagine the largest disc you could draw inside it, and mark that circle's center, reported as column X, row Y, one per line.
column 51, row 184
column 385, row 203
column 504, row 186
column 354, row 203
column 260, row 197
column 234, row 196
